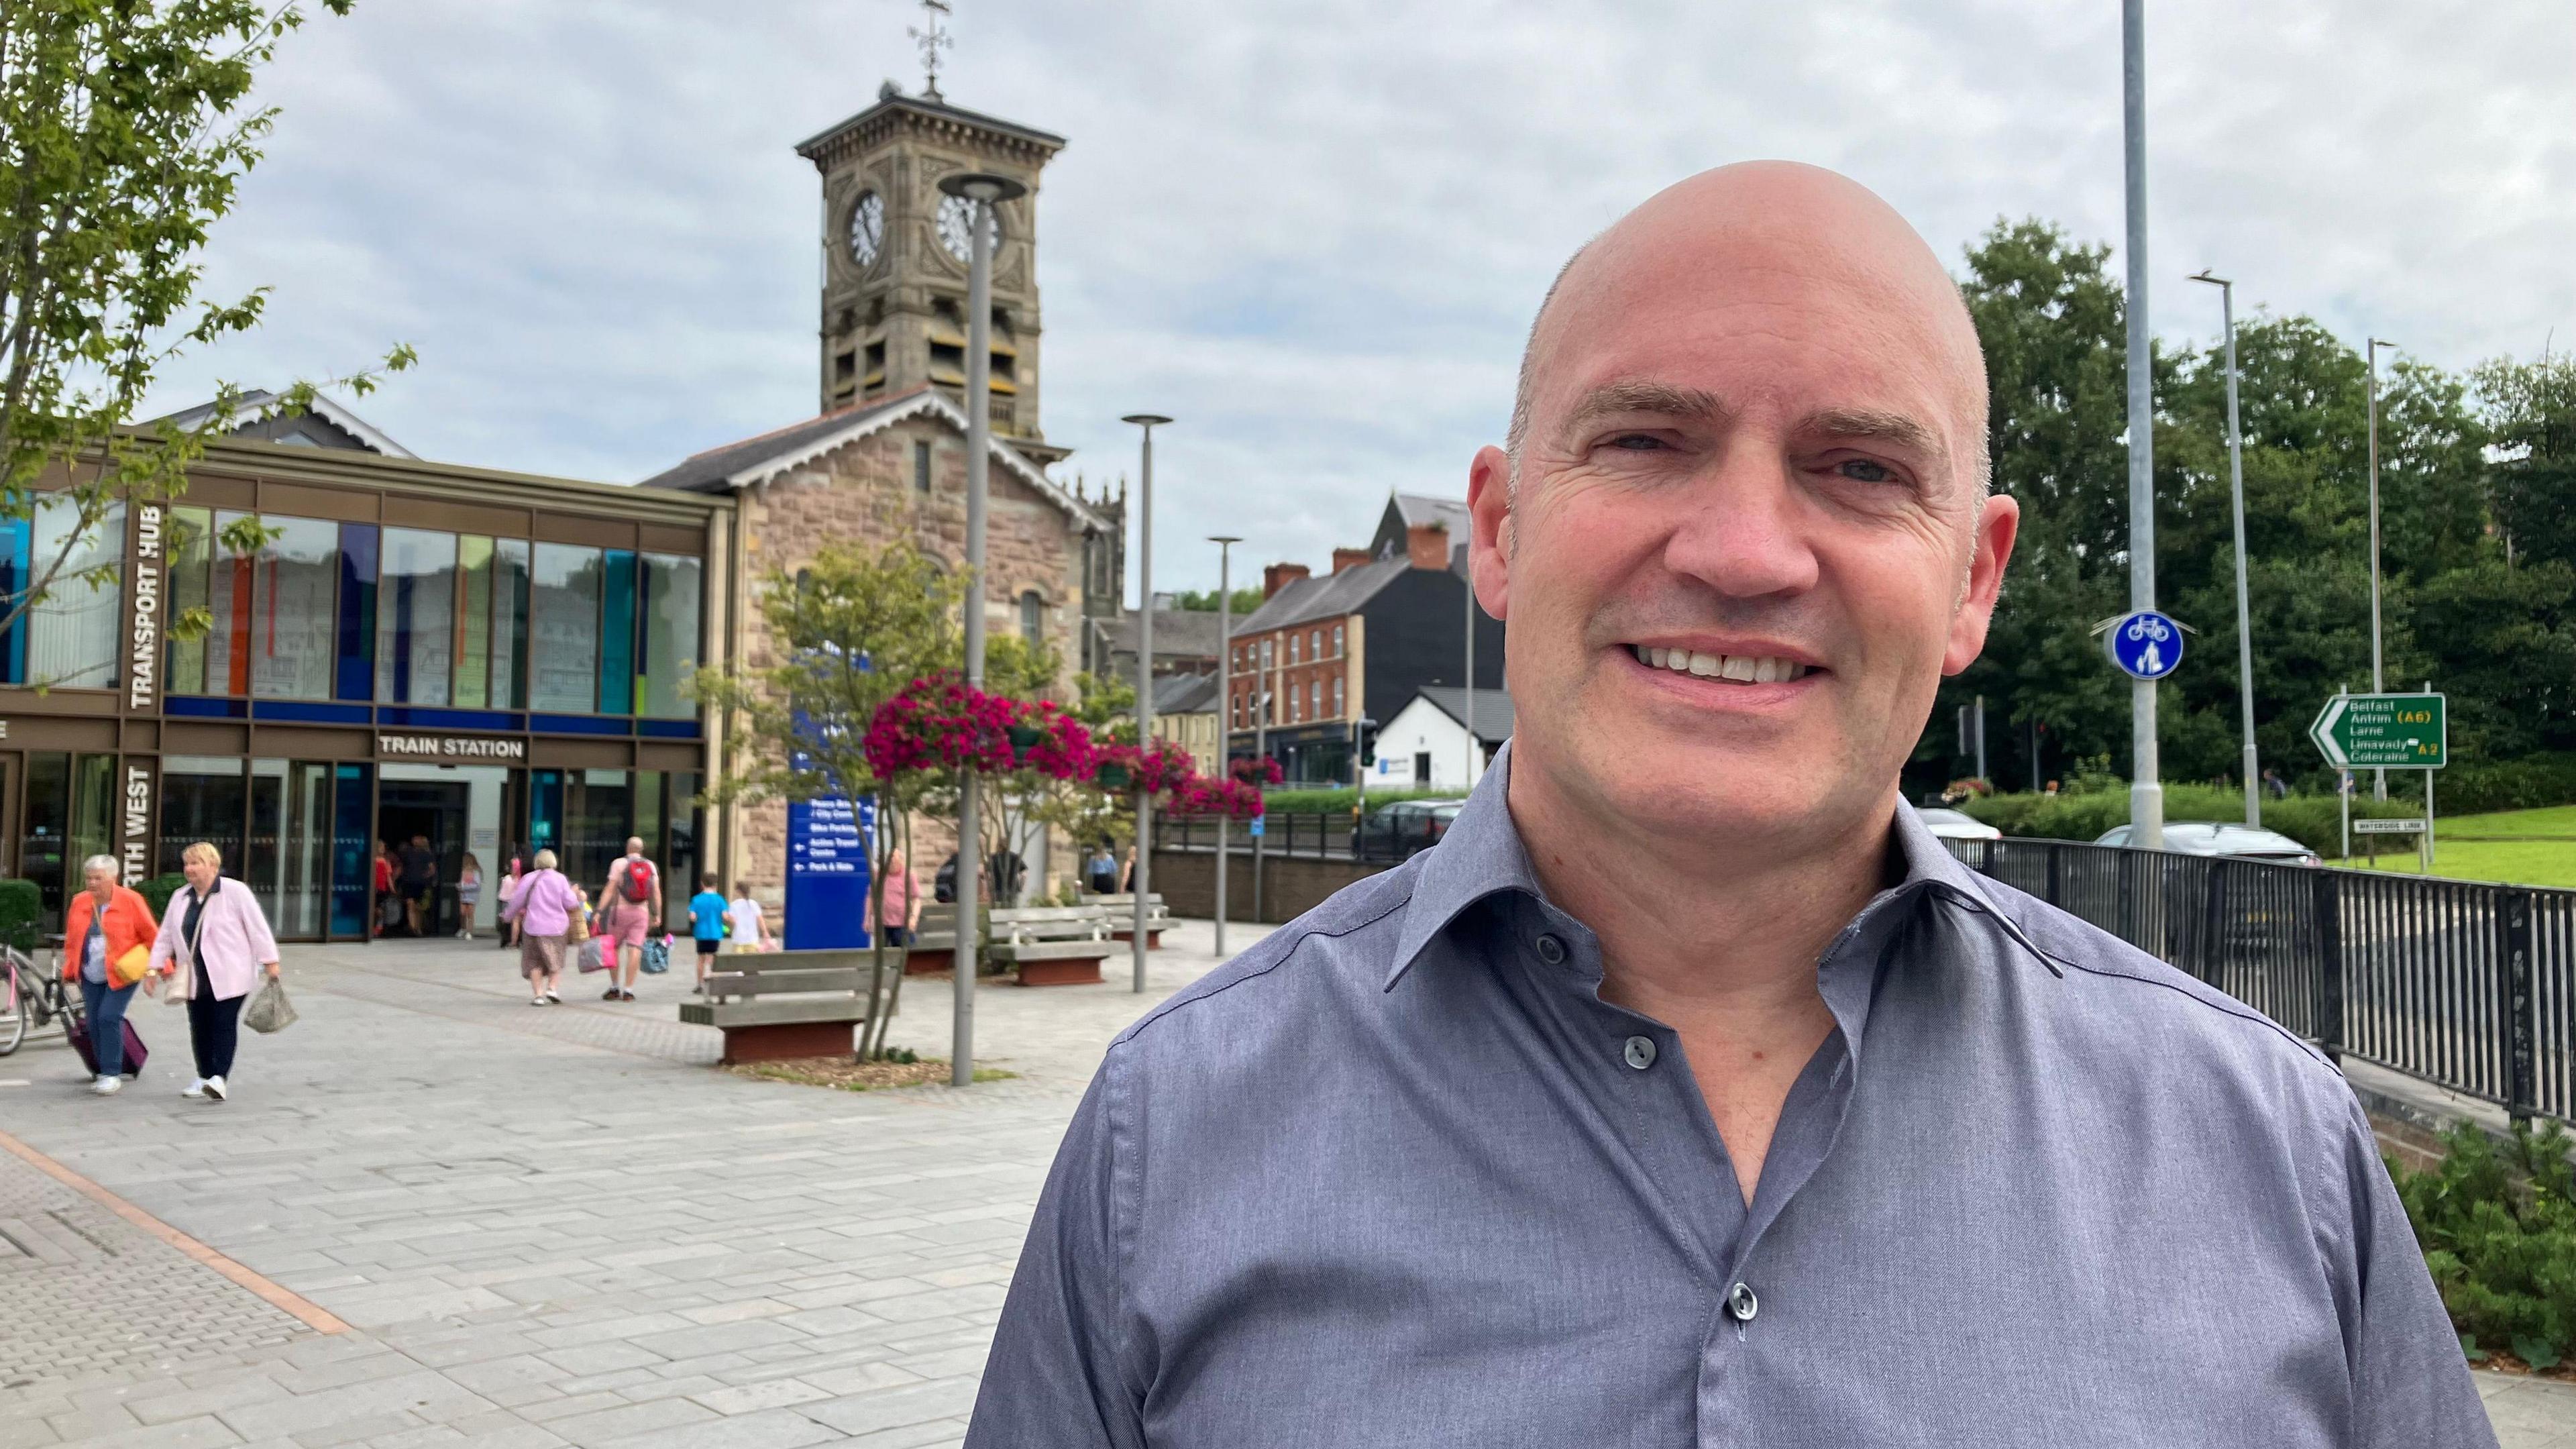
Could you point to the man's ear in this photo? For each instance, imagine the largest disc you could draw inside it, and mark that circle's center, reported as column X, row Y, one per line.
column 1489, row 512
column 1998, row 522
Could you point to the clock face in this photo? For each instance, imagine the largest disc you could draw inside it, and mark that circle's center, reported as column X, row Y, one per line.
column 867, row 228
column 956, row 217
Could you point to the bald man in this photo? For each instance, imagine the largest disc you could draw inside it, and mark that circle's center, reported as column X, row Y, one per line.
column 1690, row 1092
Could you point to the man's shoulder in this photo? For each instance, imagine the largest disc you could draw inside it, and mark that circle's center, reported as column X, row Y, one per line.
column 1334, row 956
column 2126, row 1003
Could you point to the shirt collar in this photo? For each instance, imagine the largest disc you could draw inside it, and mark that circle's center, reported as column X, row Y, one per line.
column 1482, row 856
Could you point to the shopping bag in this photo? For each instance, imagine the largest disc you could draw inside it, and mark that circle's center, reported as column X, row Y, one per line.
column 269, row 1010
column 657, row 955
column 592, row 958
column 76, row 1031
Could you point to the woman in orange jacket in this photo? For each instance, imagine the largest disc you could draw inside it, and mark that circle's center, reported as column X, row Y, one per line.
column 108, row 933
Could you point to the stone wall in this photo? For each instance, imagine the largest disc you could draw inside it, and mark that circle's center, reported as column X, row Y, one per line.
column 865, row 493
column 1290, row 886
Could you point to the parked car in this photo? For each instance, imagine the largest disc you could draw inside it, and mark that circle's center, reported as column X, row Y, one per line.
column 1958, row 825
column 2212, row 837
column 1398, row 831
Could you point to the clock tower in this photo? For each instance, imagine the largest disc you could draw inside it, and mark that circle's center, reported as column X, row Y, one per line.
column 895, row 255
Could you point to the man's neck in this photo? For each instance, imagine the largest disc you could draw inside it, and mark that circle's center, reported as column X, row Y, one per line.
column 1719, row 922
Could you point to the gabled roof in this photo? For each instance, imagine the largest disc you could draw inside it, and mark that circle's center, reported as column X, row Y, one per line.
column 353, row 431
column 772, row 454
column 1411, row 510
column 1187, row 633
column 1329, row 597
column 1185, row 694
column 1449, row 513
column 1493, row 708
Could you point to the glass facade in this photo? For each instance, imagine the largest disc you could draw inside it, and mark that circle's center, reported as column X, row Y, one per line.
column 67, row 638
column 564, row 664
column 416, row 624
column 673, row 586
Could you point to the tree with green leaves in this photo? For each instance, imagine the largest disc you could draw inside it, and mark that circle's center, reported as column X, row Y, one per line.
column 125, row 130
column 847, row 631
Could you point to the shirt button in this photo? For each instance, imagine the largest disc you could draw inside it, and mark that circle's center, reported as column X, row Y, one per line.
column 1741, row 1305
column 1551, row 950
column 1641, row 1052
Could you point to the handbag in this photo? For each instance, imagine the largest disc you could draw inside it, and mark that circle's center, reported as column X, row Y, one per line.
column 127, row 969
column 591, row 958
column 657, row 955
column 269, row 1010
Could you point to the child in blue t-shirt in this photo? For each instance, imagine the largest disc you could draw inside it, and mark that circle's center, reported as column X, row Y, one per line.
column 706, row 923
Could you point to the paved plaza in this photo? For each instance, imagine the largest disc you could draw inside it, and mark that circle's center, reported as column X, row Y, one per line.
column 519, row 1228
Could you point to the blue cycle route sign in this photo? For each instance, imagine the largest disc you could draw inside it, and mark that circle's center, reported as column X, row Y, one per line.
column 2145, row 644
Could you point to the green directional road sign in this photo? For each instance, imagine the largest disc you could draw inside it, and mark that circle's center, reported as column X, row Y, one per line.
column 2384, row 731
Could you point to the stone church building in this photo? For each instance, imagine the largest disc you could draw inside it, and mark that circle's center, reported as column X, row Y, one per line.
column 885, row 459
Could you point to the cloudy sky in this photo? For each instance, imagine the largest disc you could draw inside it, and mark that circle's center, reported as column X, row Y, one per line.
column 1314, row 231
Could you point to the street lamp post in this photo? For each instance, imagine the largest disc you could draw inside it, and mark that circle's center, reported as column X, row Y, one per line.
column 2146, row 792
column 1225, row 706
column 2379, row 778
column 2236, row 493
column 1144, row 677
column 986, row 191
column 1470, row 696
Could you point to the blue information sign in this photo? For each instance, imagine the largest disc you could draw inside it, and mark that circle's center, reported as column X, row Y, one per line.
column 1256, row 823
column 827, row 872
column 2146, row 644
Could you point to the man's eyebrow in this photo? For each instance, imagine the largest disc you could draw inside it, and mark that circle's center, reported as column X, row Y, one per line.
column 1878, row 425
column 1613, row 399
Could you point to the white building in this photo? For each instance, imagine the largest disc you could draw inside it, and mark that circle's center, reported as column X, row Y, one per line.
column 1426, row 744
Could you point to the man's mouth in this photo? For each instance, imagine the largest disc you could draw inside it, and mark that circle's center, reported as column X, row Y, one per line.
column 1732, row 668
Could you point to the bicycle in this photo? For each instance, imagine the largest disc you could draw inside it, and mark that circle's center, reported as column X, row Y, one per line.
column 30, row 996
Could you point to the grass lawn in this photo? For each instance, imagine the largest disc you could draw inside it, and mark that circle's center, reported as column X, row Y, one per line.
column 2486, row 847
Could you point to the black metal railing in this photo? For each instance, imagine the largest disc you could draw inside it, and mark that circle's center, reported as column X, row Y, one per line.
column 2468, row 985
column 1318, row 835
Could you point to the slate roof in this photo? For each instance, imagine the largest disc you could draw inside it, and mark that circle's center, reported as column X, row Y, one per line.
column 1493, row 708
column 768, row 455
column 1328, row 597
column 1191, row 633
column 1185, row 694
column 325, row 425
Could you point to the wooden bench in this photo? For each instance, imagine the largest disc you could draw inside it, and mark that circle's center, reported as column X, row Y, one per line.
column 776, row 1004
column 1052, row 945
column 1122, row 916
column 934, row 941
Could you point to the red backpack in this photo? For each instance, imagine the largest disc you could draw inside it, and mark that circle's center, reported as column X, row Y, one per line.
column 639, row 879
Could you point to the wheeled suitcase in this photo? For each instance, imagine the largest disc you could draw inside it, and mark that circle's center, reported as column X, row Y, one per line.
column 76, row 1031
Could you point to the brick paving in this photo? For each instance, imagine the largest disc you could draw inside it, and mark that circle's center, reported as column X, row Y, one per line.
column 555, row 1227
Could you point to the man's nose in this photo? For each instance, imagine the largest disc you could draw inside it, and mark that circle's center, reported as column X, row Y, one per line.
column 1741, row 529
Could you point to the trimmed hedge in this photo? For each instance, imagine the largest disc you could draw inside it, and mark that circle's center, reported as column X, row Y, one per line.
column 157, row 892
column 2497, row 1222
column 2312, row 820
column 22, row 911
column 1310, row 802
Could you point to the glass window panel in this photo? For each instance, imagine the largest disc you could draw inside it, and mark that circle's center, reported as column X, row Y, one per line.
column 190, row 549
column 416, row 617
column 291, row 640
column 357, row 675
column 71, row 635
column 49, row 821
column 564, row 668
column 673, row 585
column 231, row 590
column 474, row 648
column 510, row 624
column 201, row 799
column 617, row 635
column 352, row 862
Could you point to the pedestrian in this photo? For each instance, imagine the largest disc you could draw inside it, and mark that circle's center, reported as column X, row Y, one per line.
column 388, row 905
column 902, row 901
column 943, row 882
column 542, row 911
column 706, row 923
column 750, row 927
column 1006, row 872
column 2051, row 790
column 418, row 881
column 214, row 943
column 630, row 906
column 1102, row 870
column 107, row 948
column 469, row 894
column 508, row 929
column 1692, row 1091
column 1127, row 876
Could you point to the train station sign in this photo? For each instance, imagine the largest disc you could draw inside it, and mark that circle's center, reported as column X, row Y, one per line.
column 450, row 749
column 2384, row 732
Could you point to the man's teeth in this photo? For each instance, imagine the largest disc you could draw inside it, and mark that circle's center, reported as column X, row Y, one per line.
column 1740, row 668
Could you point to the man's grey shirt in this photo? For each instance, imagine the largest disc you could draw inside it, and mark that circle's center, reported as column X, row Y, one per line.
column 1399, row 1176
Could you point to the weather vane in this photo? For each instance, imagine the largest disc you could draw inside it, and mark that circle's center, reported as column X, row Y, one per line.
column 932, row 39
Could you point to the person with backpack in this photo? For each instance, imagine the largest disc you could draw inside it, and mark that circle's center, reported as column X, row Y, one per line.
column 630, row 907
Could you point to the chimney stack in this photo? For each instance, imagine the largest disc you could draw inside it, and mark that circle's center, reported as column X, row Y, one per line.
column 1280, row 575
column 1427, row 546
column 1349, row 558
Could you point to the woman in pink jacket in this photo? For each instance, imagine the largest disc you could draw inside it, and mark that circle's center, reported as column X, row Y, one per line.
column 543, row 907
column 214, row 943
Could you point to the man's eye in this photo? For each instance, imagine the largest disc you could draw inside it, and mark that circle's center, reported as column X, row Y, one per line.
column 1637, row 442
column 1862, row 470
